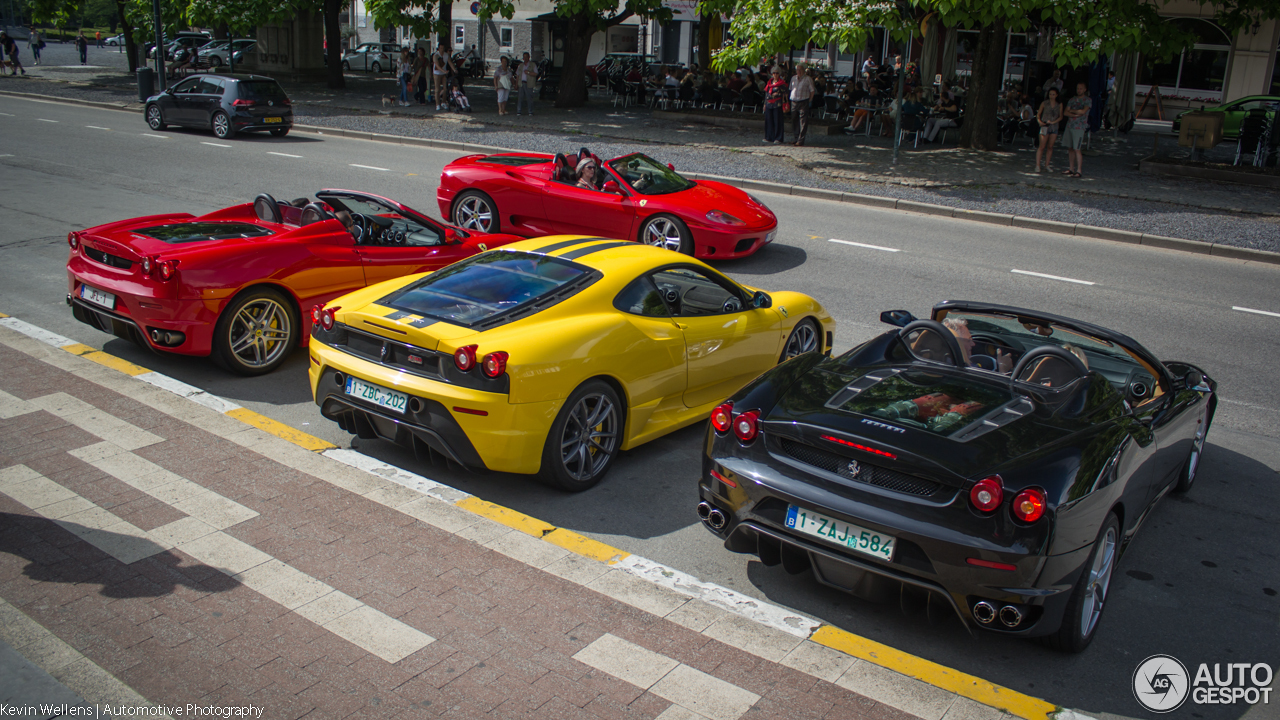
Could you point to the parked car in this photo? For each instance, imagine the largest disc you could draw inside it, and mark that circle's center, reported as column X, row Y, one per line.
column 116, row 40
column 226, row 104
column 637, row 198
column 235, row 283
column 1000, row 462
column 550, row 355
column 374, row 57
column 1235, row 111
column 217, row 54
column 185, row 38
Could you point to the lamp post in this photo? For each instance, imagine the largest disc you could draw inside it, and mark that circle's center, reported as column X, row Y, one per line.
column 897, row 120
column 160, row 75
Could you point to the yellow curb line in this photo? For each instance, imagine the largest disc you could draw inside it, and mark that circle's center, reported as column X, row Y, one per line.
column 940, row 676
column 974, row 688
column 2, row 315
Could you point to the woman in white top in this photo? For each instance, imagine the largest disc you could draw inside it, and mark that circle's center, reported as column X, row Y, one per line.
column 441, row 65
column 502, row 84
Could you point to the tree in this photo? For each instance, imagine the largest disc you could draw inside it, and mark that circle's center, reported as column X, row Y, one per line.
column 1084, row 31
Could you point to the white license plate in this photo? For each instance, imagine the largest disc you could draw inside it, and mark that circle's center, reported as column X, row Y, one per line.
column 272, row 119
column 851, row 536
column 98, row 297
column 389, row 399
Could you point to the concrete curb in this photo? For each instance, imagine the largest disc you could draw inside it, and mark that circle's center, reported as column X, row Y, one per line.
column 1092, row 232
column 794, row 640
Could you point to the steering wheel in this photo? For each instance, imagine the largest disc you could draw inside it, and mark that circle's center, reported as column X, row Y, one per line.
column 359, row 229
column 732, row 305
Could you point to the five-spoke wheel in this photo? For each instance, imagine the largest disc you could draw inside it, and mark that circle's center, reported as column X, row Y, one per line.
column 256, row 332
column 667, row 231
column 803, row 339
column 476, row 211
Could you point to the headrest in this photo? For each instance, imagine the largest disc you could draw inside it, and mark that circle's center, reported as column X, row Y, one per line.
column 267, row 209
column 314, row 212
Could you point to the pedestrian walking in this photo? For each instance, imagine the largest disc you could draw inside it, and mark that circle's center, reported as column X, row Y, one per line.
column 35, row 42
column 97, row 36
column 404, row 74
column 801, row 94
column 82, row 45
column 527, row 77
column 10, row 48
column 1077, row 113
column 502, row 80
column 441, row 67
column 775, row 96
column 419, row 77
column 1049, row 115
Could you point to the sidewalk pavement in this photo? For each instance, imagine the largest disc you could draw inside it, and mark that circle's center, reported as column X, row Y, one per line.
column 158, row 549
column 1113, row 193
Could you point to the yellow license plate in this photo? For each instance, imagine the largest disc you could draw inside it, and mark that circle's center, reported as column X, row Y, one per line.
column 271, row 120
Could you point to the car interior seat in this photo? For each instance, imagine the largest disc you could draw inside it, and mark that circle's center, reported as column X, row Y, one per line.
column 563, row 171
column 930, row 340
column 267, row 209
column 313, row 213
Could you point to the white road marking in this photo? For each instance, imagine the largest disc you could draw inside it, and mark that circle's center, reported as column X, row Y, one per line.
column 1053, row 277
column 213, row 144
column 864, row 245
column 7, row 114
column 162, row 137
column 95, row 127
column 95, row 421
column 44, row 120
column 271, row 152
column 7, row 155
column 370, row 167
column 1255, row 312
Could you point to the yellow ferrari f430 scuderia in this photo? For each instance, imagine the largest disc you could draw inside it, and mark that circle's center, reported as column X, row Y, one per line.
column 550, row 355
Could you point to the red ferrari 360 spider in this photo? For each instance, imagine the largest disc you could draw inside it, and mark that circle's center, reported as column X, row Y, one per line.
column 233, row 283
column 632, row 198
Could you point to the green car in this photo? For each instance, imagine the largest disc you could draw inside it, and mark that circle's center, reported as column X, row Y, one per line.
column 1235, row 111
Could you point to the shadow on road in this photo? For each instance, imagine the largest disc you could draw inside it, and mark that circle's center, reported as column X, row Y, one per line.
column 770, row 260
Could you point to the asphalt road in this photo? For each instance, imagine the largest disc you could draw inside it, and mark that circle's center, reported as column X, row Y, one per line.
column 1199, row 583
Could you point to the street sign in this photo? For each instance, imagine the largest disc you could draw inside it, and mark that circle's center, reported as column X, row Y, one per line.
column 475, row 8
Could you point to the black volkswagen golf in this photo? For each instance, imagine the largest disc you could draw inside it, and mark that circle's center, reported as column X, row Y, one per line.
column 227, row 104
column 997, row 458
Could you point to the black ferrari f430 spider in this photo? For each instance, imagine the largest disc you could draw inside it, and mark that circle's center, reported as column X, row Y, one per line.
column 997, row 457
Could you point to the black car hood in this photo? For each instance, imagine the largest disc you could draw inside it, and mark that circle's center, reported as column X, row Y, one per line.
column 811, row 409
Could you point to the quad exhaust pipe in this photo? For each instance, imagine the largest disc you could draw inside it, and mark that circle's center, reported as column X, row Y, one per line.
column 1010, row 616
column 986, row 613
column 712, row 516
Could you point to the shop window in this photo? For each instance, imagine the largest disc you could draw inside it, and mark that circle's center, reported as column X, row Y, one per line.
column 1198, row 72
column 459, row 37
column 505, row 38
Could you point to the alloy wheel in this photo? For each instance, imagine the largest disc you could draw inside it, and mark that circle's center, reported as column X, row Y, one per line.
column 260, row 332
column 474, row 213
column 153, row 118
column 221, row 125
column 1095, row 593
column 590, row 437
column 662, row 232
column 803, row 339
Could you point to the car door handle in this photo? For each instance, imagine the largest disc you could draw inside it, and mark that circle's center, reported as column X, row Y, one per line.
column 682, row 326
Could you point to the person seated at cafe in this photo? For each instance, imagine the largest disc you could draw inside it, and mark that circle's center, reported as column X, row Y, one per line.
column 851, row 94
column 186, row 60
column 819, row 89
column 707, row 90
column 863, row 114
column 946, row 115
column 670, row 87
column 735, row 82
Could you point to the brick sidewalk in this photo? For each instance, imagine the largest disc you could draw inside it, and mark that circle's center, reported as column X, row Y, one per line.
column 217, row 565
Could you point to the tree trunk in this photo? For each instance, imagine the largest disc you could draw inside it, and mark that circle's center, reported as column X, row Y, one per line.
column 333, row 38
column 444, row 26
column 577, row 43
column 130, row 48
column 704, row 38
column 980, row 129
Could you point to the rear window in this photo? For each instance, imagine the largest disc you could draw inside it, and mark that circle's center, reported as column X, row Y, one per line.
column 261, row 90
column 202, row 231
column 491, row 286
column 940, row 403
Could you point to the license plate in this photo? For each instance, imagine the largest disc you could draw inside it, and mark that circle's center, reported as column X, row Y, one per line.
column 272, row 119
column 389, row 399
column 842, row 533
column 98, row 297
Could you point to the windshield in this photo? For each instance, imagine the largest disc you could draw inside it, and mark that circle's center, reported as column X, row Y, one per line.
column 647, row 177
column 393, row 227
column 479, row 288
column 1028, row 332
column 202, row 231
column 940, row 403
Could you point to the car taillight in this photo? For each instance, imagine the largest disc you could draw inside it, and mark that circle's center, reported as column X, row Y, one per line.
column 987, row 493
column 147, row 266
column 494, row 364
column 465, row 357
column 315, row 314
column 745, row 426
column 1028, row 505
column 722, row 418
column 286, row 102
column 326, row 317
column 164, row 269
column 242, row 103
column 73, row 240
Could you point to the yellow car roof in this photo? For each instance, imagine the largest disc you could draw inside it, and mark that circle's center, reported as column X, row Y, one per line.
column 603, row 254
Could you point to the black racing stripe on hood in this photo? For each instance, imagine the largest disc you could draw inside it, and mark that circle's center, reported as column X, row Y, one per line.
column 561, row 244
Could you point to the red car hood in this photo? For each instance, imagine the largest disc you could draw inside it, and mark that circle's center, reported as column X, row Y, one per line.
column 709, row 195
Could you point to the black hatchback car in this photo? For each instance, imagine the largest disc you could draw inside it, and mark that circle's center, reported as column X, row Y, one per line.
column 225, row 103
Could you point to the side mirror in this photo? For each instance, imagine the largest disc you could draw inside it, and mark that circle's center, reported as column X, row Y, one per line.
column 900, row 318
column 611, row 186
column 761, row 300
